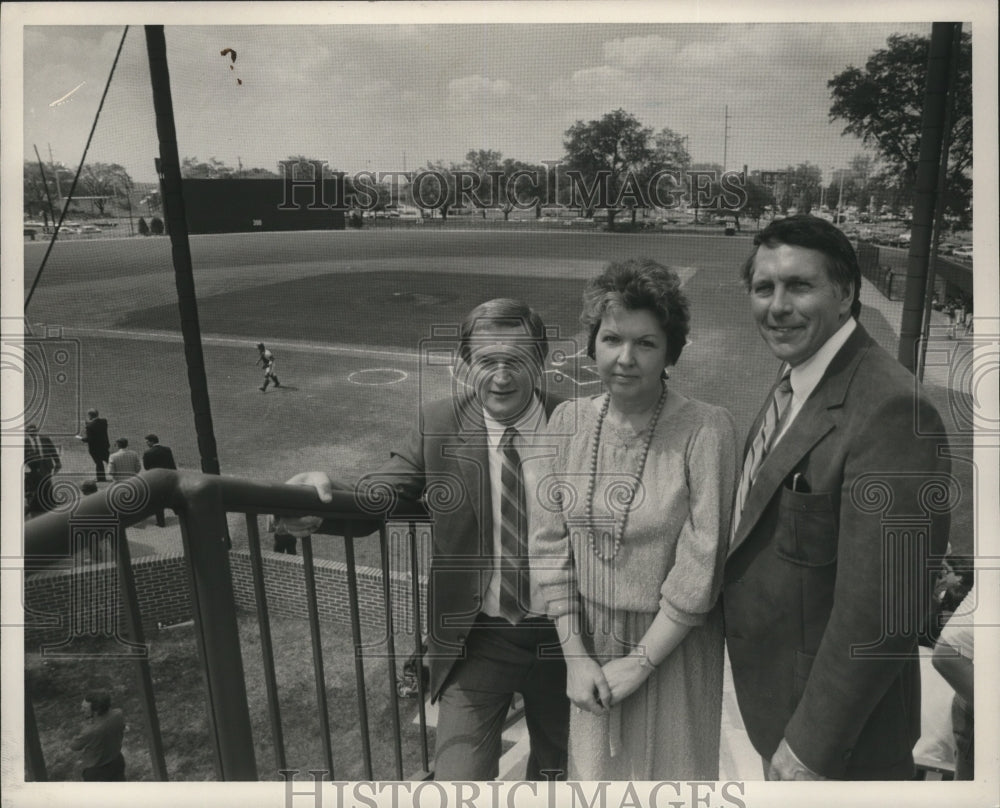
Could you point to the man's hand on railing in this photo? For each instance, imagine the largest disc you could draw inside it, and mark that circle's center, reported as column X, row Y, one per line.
column 300, row 526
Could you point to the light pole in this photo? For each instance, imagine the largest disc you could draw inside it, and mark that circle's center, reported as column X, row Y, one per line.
column 128, row 202
column 840, row 196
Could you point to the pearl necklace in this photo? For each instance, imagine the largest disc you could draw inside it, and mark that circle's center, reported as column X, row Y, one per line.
column 618, row 533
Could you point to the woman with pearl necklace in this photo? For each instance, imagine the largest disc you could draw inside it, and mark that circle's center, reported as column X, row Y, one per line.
column 628, row 538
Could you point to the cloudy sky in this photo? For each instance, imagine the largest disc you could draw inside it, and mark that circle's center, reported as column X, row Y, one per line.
column 388, row 96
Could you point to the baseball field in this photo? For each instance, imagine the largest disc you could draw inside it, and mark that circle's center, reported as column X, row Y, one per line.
column 358, row 322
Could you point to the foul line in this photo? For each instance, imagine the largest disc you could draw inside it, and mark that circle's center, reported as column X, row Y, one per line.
column 239, row 342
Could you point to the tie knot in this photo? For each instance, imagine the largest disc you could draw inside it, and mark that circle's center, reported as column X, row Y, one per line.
column 509, row 436
column 785, row 385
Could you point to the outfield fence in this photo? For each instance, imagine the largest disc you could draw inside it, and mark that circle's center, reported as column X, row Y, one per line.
column 887, row 268
column 98, row 522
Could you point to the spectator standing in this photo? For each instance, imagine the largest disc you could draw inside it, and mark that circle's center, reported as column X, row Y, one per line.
column 157, row 457
column 95, row 435
column 100, row 741
column 123, row 463
column 41, row 462
column 284, row 538
column 953, row 659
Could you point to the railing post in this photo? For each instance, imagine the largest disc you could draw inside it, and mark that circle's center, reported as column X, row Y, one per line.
column 203, row 528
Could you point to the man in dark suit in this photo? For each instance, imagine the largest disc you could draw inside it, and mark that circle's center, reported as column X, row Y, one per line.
column 41, row 462
column 827, row 584
column 486, row 620
column 95, row 435
column 157, row 457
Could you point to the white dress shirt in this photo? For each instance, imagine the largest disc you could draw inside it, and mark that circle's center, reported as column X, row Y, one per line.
column 806, row 376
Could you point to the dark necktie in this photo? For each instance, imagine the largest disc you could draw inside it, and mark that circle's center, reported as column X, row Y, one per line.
column 514, row 591
column 771, row 426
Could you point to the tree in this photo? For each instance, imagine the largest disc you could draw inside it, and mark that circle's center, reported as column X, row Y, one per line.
column 258, row 174
column 882, row 104
column 860, row 171
column 303, row 167
column 505, row 183
column 482, row 162
column 668, row 153
column 36, row 201
column 758, row 200
column 607, row 158
column 703, row 181
column 58, row 179
column 670, row 149
column 156, row 226
column 801, row 187
column 143, row 227
column 103, row 182
column 434, row 186
column 214, row 169
column 523, row 182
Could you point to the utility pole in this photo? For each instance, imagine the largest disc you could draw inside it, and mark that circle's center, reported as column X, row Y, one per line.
column 930, row 182
column 840, row 196
column 55, row 173
column 725, row 140
column 168, row 168
column 128, row 201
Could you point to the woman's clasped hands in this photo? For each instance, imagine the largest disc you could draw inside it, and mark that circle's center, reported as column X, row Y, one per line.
column 595, row 688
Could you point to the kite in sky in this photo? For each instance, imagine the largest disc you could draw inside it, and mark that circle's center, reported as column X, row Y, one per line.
column 232, row 56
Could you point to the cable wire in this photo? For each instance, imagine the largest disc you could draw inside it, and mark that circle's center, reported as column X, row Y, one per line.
column 69, row 196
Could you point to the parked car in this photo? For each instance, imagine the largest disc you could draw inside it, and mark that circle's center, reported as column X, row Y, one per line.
column 964, row 252
column 88, row 228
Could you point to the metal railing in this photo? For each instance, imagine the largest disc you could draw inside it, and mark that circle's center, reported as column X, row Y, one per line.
column 202, row 502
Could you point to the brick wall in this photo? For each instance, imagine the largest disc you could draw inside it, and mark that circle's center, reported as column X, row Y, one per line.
column 65, row 603
column 285, row 588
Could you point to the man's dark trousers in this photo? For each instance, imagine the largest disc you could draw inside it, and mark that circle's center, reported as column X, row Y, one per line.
column 501, row 660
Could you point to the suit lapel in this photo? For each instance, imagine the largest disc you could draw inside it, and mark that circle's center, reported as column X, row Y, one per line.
column 470, row 450
column 811, row 424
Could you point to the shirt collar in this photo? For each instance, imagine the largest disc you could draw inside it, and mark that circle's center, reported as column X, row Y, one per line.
column 531, row 422
column 806, row 376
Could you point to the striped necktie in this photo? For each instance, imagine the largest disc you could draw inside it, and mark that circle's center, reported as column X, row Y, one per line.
column 773, row 421
column 514, row 592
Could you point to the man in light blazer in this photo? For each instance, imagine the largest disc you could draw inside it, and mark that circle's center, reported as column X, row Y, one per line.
column 479, row 655
column 832, row 554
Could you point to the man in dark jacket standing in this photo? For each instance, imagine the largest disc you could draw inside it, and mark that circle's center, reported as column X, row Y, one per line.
column 95, row 435
column 157, row 457
column 836, row 525
column 100, row 742
column 41, row 462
